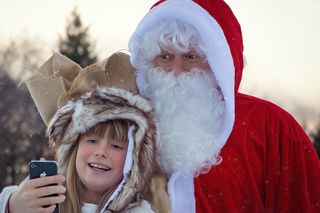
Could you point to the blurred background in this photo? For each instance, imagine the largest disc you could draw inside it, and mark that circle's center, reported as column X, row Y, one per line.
column 282, row 50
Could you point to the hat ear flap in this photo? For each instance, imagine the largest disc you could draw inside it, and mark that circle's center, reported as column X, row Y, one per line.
column 59, row 124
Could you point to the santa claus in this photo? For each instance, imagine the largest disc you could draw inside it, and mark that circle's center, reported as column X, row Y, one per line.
column 220, row 150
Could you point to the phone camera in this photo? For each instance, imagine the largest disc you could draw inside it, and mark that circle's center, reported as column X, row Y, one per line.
column 33, row 165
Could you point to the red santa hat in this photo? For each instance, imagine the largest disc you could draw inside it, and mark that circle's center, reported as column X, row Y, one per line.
column 220, row 32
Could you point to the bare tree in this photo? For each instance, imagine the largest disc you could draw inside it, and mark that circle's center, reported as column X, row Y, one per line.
column 21, row 128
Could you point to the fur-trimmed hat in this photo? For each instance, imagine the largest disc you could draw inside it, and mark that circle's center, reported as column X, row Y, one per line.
column 111, row 94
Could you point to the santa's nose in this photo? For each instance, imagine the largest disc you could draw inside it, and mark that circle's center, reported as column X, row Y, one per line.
column 177, row 67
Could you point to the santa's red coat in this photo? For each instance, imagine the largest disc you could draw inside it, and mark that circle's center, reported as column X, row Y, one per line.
column 269, row 165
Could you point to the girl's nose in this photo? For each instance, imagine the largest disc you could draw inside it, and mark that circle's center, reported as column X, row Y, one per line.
column 102, row 151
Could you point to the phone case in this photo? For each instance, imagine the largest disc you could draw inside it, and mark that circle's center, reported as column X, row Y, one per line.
column 42, row 168
column 39, row 169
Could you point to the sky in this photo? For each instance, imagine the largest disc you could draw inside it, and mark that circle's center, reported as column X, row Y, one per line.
column 281, row 40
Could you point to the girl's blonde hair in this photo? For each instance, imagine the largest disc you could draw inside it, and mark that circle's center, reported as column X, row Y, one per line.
column 116, row 130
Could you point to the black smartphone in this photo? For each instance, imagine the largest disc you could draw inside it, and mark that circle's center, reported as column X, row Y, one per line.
column 43, row 168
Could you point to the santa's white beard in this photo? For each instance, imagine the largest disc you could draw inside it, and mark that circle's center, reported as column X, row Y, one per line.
column 189, row 108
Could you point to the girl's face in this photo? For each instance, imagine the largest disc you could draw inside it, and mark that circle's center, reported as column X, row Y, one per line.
column 99, row 164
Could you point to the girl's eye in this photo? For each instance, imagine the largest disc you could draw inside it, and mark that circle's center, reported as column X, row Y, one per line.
column 91, row 141
column 117, row 146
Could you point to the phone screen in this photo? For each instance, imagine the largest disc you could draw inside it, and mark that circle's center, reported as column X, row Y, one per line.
column 38, row 169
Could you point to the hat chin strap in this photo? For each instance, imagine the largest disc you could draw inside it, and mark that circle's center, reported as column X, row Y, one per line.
column 127, row 166
column 181, row 193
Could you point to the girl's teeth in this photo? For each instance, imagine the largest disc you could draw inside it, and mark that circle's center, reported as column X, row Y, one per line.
column 98, row 166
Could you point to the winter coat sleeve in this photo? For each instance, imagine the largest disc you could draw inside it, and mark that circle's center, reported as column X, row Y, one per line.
column 283, row 161
column 4, row 197
column 292, row 168
column 269, row 165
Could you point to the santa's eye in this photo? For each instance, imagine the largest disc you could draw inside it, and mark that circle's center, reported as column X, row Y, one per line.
column 192, row 56
column 164, row 56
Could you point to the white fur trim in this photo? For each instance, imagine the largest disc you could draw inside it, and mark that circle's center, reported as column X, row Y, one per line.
column 89, row 208
column 217, row 49
column 65, row 109
column 181, row 193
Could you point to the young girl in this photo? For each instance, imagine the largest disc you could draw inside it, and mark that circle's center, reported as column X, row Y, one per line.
column 105, row 152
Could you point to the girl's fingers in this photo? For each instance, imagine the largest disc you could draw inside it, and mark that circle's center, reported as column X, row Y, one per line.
column 48, row 209
column 50, row 190
column 41, row 182
column 51, row 200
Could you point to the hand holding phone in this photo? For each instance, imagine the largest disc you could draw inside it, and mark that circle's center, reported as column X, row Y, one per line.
column 32, row 194
column 44, row 168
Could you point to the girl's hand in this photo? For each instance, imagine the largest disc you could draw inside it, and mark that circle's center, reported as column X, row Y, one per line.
column 31, row 196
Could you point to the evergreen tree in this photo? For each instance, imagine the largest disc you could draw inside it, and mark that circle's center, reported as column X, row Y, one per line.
column 316, row 140
column 76, row 44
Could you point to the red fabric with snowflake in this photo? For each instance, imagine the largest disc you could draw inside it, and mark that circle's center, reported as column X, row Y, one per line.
column 269, row 165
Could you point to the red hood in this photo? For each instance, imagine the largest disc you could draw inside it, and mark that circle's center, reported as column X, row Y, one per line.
column 220, row 33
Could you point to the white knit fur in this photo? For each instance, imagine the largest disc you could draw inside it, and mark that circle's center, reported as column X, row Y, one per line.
column 189, row 109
